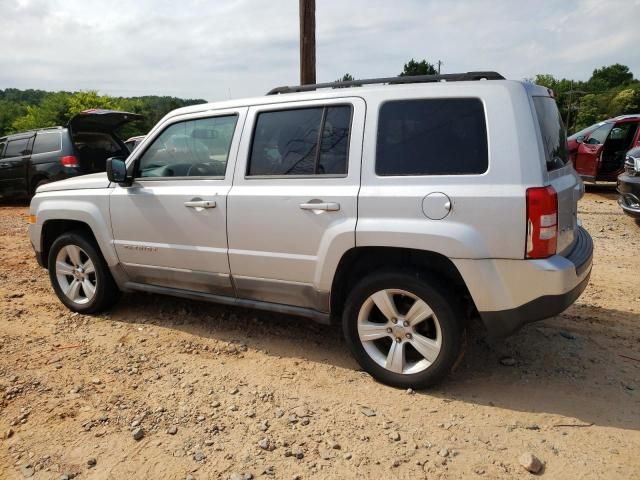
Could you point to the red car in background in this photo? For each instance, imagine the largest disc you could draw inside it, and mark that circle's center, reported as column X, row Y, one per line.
column 598, row 152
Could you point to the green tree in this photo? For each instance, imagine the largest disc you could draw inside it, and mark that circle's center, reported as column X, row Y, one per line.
column 347, row 77
column 609, row 77
column 418, row 68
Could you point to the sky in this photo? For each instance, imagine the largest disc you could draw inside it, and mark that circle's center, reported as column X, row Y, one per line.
column 220, row 49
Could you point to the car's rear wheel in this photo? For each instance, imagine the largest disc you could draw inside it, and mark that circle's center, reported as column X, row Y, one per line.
column 79, row 274
column 403, row 329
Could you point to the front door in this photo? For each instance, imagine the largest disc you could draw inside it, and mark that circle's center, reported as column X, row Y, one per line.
column 14, row 165
column 169, row 226
column 588, row 157
column 294, row 199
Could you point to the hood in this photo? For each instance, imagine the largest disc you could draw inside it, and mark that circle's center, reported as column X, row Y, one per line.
column 101, row 120
column 94, row 180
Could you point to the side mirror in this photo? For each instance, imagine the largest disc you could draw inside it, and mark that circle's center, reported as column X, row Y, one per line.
column 117, row 171
column 580, row 139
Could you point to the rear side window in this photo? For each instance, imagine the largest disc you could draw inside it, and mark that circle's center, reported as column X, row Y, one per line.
column 554, row 135
column 304, row 141
column 47, row 142
column 17, row 148
column 2, row 144
column 445, row 136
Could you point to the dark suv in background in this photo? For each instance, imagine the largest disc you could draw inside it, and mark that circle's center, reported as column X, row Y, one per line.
column 30, row 159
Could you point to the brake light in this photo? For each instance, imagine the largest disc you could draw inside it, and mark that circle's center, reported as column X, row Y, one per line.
column 69, row 161
column 542, row 222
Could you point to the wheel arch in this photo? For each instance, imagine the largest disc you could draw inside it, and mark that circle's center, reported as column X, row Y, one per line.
column 360, row 261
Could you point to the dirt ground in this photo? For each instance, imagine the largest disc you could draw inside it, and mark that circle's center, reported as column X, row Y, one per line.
column 229, row 393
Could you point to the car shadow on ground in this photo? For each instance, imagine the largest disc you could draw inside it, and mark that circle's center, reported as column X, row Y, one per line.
column 604, row 190
column 559, row 368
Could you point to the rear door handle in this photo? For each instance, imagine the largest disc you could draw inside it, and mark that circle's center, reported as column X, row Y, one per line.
column 329, row 207
column 200, row 204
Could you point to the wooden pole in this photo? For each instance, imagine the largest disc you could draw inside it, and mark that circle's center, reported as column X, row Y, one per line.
column 307, row 42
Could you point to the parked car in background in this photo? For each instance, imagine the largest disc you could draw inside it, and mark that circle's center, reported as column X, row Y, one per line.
column 402, row 209
column 629, row 184
column 33, row 158
column 598, row 152
column 133, row 142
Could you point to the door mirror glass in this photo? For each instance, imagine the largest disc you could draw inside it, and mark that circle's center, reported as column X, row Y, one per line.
column 117, row 170
column 580, row 139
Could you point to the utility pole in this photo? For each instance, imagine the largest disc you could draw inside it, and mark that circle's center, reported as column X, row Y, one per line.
column 439, row 65
column 307, row 42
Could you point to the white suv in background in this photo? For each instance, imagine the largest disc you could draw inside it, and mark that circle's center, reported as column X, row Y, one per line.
column 402, row 208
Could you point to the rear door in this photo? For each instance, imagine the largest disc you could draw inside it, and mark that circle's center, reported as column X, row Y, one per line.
column 170, row 225
column 14, row 165
column 294, row 199
column 589, row 153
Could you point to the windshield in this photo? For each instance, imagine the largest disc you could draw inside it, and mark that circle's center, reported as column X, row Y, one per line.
column 554, row 135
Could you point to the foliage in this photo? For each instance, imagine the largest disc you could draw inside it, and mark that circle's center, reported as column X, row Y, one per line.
column 28, row 109
column 418, row 68
column 609, row 92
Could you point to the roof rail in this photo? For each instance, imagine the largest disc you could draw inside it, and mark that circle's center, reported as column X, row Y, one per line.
column 446, row 77
column 35, row 130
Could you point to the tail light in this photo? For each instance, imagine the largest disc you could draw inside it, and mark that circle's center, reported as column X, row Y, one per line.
column 542, row 222
column 69, row 161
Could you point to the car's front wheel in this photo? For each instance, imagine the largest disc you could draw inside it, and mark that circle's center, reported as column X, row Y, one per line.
column 79, row 274
column 403, row 329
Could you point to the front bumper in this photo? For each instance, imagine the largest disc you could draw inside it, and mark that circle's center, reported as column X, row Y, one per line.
column 511, row 293
column 629, row 189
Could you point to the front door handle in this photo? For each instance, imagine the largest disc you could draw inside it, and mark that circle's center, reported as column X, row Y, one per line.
column 200, row 204
column 329, row 207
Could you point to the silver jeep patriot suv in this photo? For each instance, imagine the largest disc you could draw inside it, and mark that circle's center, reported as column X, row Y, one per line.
column 401, row 208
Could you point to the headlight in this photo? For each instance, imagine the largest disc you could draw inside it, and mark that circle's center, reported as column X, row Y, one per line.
column 632, row 165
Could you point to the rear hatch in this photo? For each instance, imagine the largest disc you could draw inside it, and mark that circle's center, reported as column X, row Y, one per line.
column 561, row 175
column 94, row 137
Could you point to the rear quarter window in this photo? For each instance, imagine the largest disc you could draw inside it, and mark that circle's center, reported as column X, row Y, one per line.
column 47, row 142
column 445, row 136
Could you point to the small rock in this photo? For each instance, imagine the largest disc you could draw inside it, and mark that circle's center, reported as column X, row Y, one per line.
column 96, row 381
column 508, row 361
column 394, row 436
column 240, row 476
column 172, row 430
column 367, row 412
column 234, row 391
column 27, row 470
column 199, row 456
column 530, row 462
column 410, row 391
column 567, row 335
column 347, row 456
column 335, row 445
column 264, row 444
column 443, row 453
column 208, row 443
column 91, row 462
column 138, row 434
column 9, row 433
column 279, row 413
column 263, row 426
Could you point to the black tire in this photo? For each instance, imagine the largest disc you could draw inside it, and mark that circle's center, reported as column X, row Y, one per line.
column 448, row 315
column 38, row 182
column 106, row 291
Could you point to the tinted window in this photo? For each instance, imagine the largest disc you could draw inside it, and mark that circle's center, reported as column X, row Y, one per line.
column 47, row 142
column 600, row 134
column 554, row 135
column 432, row 137
column 193, row 148
column 1, row 148
column 286, row 142
column 17, row 148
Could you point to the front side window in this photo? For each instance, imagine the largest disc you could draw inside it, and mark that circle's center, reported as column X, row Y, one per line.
column 17, row 148
column 445, row 136
column 304, row 141
column 193, row 148
column 600, row 134
column 47, row 142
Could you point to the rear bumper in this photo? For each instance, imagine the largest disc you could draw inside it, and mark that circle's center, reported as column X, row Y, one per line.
column 511, row 293
column 629, row 189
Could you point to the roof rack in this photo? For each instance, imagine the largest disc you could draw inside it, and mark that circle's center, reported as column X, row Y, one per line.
column 446, row 77
column 35, row 130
